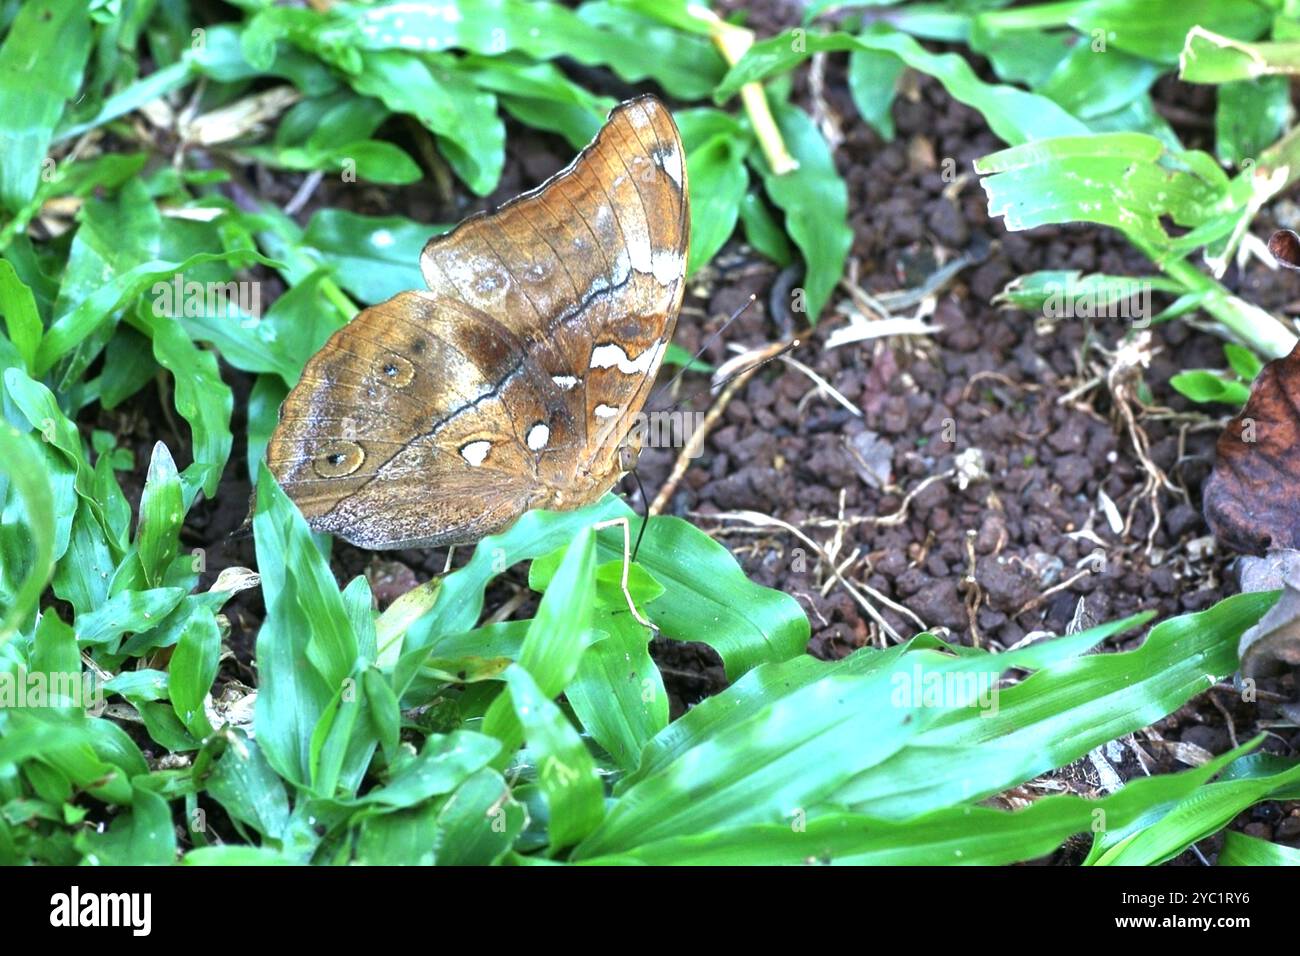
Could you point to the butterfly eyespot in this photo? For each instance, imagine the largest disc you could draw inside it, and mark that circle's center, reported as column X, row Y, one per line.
column 396, row 371
column 338, row 459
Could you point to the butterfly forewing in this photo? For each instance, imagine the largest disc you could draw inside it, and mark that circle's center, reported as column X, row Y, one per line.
column 438, row 417
column 590, row 269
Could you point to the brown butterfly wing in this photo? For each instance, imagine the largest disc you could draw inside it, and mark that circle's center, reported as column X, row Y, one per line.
column 440, row 417
column 375, row 443
column 590, row 271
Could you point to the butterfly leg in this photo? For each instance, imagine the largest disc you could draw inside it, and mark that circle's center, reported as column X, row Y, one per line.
column 627, row 562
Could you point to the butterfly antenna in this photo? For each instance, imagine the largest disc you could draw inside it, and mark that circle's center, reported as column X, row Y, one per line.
column 645, row 518
column 711, row 339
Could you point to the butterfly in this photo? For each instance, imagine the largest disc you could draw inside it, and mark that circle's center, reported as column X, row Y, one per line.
column 515, row 381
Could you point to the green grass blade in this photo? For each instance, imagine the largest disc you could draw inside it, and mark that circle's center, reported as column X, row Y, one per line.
column 1242, row 850
column 42, row 62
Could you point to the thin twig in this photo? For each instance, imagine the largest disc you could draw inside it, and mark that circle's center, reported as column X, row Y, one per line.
column 755, row 518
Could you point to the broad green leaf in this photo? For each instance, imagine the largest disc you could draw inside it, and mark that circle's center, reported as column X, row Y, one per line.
column 1088, row 83
column 463, row 118
column 144, row 684
column 1128, row 181
column 762, row 686
column 1153, row 29
column 269, row 392
column 227, row 856
column 445, row 762
column 22, row 320
column 398, row 838
column 1243, row 361
column 618, row 693
column 128, row 367
column 1058, row 714
column 1056, row 292
column 637, row 46
column 27, row 537
column 363, row 160
column 815, row 201
column 479, row 822
column 566, row 773
column 1156, row 30
column 72, row 328
column 200, row 395
column 460, row 597
column 127, row 612
column 141, row 836
column 385, row 713
column 162, row 511
column 244, row 783
column 634, row 46
column 708, row 598
column 541, row 96
column 873, row 76
column 1197, row 816
column 952, row 836
column 1203, row 386
column 54, row 653
column 1024, row 56
column 608, row 577
column 292, row 330
column 304, row 640
column 556, row 638
column 377, row 256
column 192, row 670
column 1210, row 57
column 1013, row 114
column 1251, row 115
column 762, row 230
column 41, row 409
column 42, row 62
column 793, row 753
column 319, row 122
column 717, row 180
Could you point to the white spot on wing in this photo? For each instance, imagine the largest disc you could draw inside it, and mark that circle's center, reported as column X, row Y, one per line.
column 538, row 436
column 667, row 266
column 670, row 160
column 475, row 452
column 565, row 382
column 638, row 246
column 606, row 411
column 611, row 355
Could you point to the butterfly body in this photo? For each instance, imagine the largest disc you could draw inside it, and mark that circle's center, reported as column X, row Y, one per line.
column 440, row 416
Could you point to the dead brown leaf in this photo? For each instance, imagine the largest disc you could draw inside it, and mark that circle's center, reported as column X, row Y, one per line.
column 1250, row 500
column 1284, row 245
